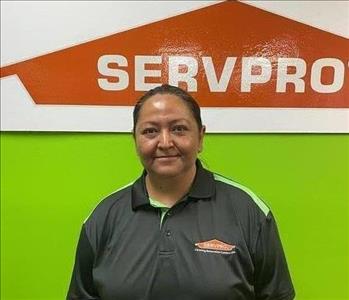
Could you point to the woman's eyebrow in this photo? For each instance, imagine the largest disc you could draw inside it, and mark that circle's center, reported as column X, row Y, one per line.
column 179, row 120
column 147, row 123
column 156, row 123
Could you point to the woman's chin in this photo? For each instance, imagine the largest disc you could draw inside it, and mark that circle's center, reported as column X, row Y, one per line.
column 167, row 170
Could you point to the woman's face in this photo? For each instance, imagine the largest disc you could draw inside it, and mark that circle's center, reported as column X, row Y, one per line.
column 167, row 136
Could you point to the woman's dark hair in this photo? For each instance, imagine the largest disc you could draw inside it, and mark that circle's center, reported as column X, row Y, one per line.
column 169, row 90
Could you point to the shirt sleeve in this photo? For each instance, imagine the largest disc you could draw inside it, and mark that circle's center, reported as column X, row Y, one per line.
column 81, row 285
column 272, row 278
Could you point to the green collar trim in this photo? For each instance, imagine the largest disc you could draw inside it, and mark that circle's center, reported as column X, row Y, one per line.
column 157, row 204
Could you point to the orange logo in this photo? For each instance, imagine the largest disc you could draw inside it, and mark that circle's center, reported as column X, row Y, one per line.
column 215, row 246
column 240, row 57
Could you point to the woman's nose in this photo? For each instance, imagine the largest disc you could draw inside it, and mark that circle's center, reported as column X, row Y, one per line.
column 165, row 139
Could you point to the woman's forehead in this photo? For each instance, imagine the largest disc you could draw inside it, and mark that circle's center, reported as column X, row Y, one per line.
column 165, row 104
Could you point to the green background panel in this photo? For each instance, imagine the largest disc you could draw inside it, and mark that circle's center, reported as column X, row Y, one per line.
column 50, row 182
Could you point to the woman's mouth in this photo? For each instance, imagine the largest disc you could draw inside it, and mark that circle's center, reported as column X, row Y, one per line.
column 167, row 157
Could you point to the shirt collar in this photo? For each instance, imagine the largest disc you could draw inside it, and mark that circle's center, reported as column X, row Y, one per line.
column 202, row 188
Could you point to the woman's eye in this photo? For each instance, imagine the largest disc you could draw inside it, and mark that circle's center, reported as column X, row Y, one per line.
column 149, row 131
column 179, row 128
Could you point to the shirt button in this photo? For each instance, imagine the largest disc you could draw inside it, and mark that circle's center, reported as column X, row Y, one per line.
column 168, row 233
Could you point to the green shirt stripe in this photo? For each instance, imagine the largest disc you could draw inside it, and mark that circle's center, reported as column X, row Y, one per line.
column 254, row 197
column 119, row 189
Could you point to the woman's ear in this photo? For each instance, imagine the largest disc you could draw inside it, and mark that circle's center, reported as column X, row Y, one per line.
column 135, row 142
column 201, row 137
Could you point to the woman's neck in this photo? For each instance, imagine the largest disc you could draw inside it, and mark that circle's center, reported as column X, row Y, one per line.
column 169, row 190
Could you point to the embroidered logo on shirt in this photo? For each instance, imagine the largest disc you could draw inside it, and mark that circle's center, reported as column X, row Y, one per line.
column 215, row 246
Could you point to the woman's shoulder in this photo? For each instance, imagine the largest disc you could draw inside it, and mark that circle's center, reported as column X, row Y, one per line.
column 112, row 201
column 239, row 195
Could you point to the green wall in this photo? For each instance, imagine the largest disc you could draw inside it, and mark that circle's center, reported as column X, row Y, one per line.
column 51, row 181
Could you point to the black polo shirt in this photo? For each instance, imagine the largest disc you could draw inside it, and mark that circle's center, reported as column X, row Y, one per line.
column 218, row 242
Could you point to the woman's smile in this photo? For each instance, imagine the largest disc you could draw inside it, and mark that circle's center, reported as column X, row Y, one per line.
column 167, row 157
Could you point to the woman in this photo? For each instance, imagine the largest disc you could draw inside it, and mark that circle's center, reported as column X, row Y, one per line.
column 179, row 231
